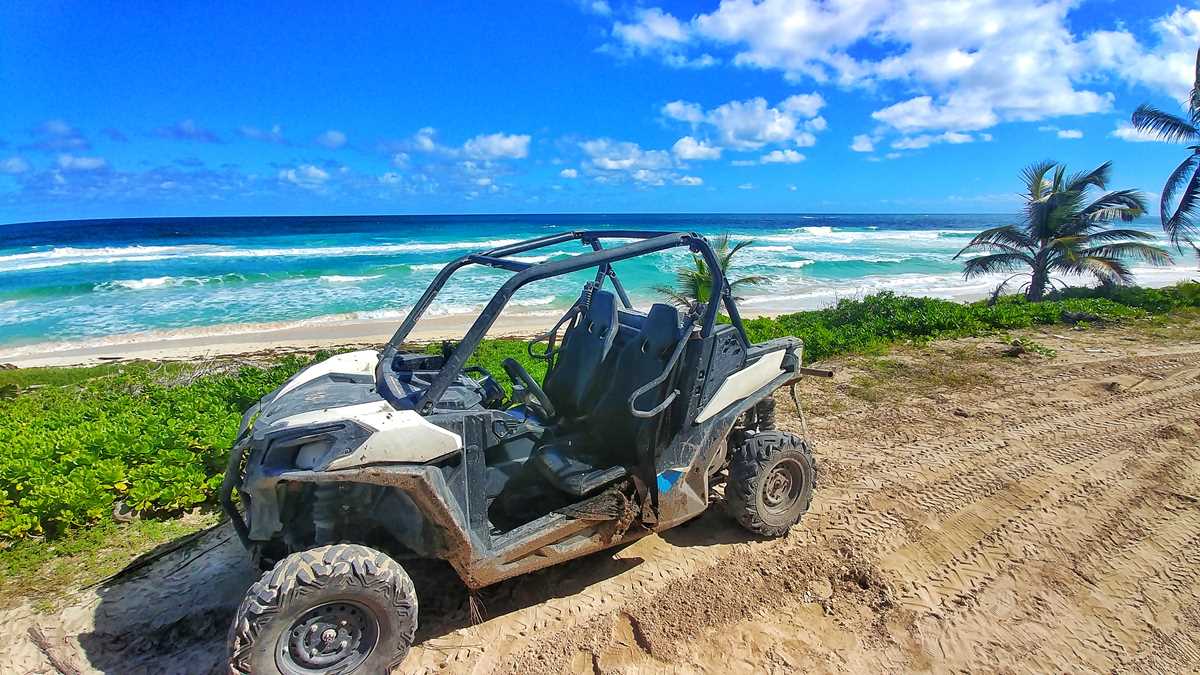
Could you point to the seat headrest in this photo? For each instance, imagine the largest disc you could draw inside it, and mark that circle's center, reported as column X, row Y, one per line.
column 660, row 331
column 601, row 317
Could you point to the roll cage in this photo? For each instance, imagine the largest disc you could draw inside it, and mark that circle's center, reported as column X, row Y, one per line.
column 525, row 273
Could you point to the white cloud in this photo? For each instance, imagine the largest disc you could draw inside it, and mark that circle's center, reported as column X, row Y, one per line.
column 332, row 139
column 424, row 140
column 569, row 173
column 863, row 143
column 74, row 163
column 653, row 29
column 970, row 63
column 609, row 155
column 597, row 7
column 1069, row 133
column 743, row 162
column 498, row 146
column 1127, row 132
column 752, row 124
column 655, row 32
column 1168, row 66
column 792, row 188
column 690, row 148
column 400, row 160
column 684, row 111
column 782, row 157
column 746, row 186
column 689, row 181
column 612, row 161
column 306, row 176
column 483, row 182
column 390, row 178
column 804, row 105
column 272, row 135
column 925, row 140
column 13, row 165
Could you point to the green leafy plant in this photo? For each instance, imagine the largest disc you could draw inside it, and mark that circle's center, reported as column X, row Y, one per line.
column 693, row 283
column 1063, row 233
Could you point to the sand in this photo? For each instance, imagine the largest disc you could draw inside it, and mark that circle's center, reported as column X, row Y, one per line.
column 974, row 513
column 249, row 338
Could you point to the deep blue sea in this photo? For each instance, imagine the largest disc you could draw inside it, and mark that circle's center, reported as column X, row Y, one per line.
column 99, row 279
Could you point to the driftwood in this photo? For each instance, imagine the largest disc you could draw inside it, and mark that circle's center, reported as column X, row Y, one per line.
column 60, row 663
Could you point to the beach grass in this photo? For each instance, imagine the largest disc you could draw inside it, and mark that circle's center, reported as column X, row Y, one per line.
column 82, row 446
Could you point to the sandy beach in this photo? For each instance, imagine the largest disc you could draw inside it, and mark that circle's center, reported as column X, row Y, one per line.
column 247, row 338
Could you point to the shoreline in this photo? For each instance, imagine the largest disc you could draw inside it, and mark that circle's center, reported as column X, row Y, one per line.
column 325, row 332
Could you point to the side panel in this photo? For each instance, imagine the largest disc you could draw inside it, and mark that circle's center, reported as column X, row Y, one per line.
column 743, row 383
column 400, row 436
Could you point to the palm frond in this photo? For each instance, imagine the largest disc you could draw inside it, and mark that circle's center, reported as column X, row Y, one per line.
column 1155, row 255
column 752, row 280
column 1097, row 178
column 1123, row 205
column 1006, row 237
column 1034, row 176
column 996, row 262
column 1118, row 235
column 1163, row 125
column 1181, row 226
column 1107, row 270
column 1194, row 97
column 1176, row 180
column 676, row 298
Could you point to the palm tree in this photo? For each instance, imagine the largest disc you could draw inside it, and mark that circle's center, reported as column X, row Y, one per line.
column 694, row 282
column 1180, row 224
column 1062, row 233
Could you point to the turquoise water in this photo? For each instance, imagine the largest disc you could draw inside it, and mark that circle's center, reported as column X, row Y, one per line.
column 90, row 280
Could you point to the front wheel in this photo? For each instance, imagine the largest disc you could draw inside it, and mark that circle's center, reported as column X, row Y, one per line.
column 771, row 481
column 335, row 609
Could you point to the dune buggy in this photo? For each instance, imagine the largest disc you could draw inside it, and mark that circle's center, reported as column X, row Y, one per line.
column 371, row 457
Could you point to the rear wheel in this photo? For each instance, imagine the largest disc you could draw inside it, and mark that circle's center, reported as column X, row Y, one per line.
column 771, row 481
column 342, row 608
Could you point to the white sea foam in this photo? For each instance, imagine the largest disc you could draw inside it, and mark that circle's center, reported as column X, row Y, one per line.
column 339, row 279
column 830, row 235
column 69, row 255
column 534, row 302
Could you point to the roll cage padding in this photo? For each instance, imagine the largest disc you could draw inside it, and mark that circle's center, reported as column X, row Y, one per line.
column 600, row 259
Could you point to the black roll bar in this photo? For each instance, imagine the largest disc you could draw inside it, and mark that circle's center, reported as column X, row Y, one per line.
column 525, row 273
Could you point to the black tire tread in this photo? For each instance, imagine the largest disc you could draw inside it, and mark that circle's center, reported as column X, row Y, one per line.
column 749, row 465
column 306, row 569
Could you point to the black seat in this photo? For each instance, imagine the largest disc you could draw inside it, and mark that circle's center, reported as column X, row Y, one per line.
column 611, row 438
column 586, row 343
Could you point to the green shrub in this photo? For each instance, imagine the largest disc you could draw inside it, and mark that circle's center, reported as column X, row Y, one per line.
column 73, row 441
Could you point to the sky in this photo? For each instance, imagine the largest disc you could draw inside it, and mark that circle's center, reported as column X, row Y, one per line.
column 597, row 106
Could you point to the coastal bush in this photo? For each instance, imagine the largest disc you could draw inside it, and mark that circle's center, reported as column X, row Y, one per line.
column 75, row 441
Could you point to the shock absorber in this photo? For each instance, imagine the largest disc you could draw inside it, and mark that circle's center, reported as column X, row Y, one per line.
column 326, row 513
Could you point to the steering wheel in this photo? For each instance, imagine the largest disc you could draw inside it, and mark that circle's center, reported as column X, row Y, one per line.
column 518, row 375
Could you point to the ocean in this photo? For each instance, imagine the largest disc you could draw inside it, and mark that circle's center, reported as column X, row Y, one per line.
column 99, row 281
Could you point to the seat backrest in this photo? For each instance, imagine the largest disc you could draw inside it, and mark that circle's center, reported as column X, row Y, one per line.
column 641, row 359
column 585, row 344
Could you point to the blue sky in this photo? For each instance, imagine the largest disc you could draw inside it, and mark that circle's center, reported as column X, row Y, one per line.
column 574, row 106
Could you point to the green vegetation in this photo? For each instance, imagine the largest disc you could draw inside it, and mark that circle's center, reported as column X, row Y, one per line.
column 1064, row 234
column 152, row 439
column 693, row 284
column 1180, row 222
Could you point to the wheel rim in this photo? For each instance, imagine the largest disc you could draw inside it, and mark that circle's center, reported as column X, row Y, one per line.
column 338, row 634
column 782, row 486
